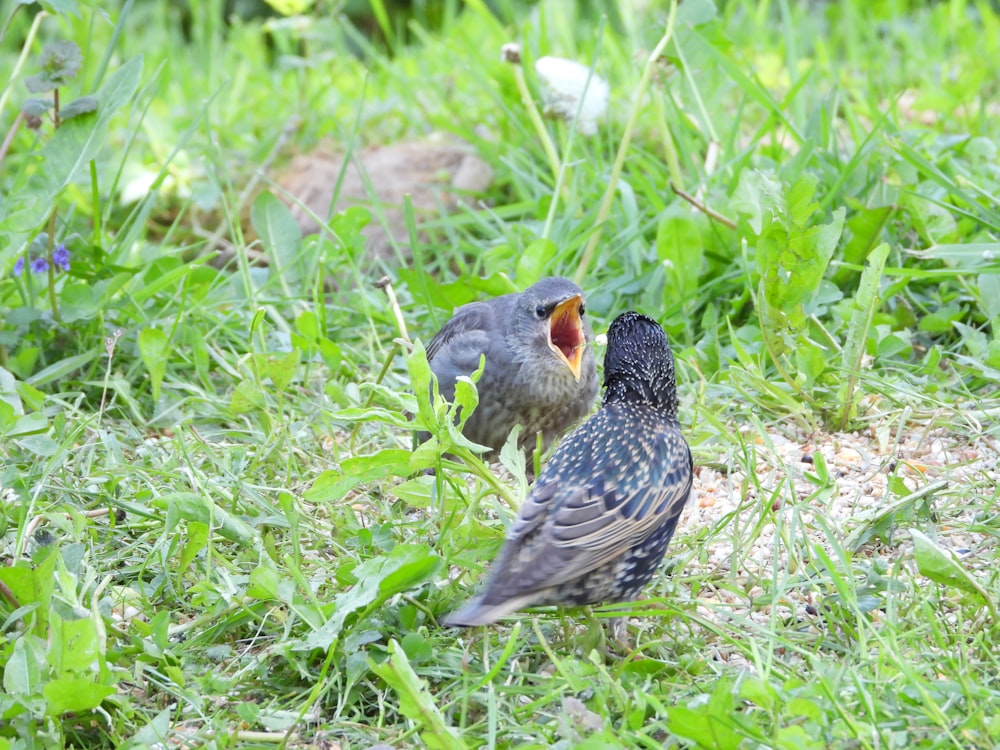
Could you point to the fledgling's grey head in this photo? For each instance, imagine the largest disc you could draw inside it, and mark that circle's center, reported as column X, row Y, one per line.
column 548, row 324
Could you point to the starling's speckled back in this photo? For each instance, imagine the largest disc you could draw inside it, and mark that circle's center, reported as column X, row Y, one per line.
column 598, row 520
column 524, row 381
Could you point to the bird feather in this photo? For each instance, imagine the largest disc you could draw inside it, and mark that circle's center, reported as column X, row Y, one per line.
column 567, row 529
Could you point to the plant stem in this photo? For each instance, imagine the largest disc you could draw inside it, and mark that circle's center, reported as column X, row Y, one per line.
column 616, row 168
column 29, row 41
column 536, row 119
column 52, row 270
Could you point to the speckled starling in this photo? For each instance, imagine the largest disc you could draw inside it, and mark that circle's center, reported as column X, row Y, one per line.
column 597, row 522
column 540, row 371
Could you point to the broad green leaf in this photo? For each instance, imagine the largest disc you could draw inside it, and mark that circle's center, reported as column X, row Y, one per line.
column 307, row 324
column 941, row 566
column 33, row 398
column 513, row 458
column 247, row 397
column 33, row 585
column 291, row 7
column 8, row 416
column 67, row 695
column 22, row 675
column 760, row 692
column 155, row 733
column 388, row 462
column 864, row 305
column 933, row 221
column 79, row 302
column 416, row 702
column 264, row 583
column 193, row 507
column 965, row 257
column 9, row 391
column 81, row 106
column 458, row 413
column 799, row 202
column 417, row 648
column 420, row 383
column 195, row 541
column 792, row 258
column 280, row 234
column 796, row 736
column 709, row 725
column 989, row 294
column 79, row 140
column 63, row 367
column 331, row 354
column 417, row 492
column 57, row 7
column 154, row 348
column 34, row 423
column 347, row 226
column 534, row 261
column 75, row 646
column 696, row 12
column 434, row 415
column 757, row 196
column 407, row 566
column 679, row 246
column 282, row 369
column 330, row 486
column 36, row 107
column 466, row 394
column 863, row 230
column 805, row 707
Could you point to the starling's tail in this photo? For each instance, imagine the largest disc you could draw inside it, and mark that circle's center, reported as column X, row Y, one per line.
column 472, row 614
column 480, row 612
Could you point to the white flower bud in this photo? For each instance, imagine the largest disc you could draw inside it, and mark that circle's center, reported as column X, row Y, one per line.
column 511, row 53
column 564, row 82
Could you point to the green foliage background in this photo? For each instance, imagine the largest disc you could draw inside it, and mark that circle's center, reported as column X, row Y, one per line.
column 214, row 525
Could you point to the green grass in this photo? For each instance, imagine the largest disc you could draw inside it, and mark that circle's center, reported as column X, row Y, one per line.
column 215, row 529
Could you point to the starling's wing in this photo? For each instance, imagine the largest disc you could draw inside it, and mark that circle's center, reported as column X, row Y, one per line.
column 591, row 534
column 566, row 529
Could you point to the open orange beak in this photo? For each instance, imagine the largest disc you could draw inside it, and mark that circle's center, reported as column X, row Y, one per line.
column 566, row 336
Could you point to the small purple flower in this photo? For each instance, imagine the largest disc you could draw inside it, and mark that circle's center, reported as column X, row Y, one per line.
column 60, row 257
column 39, row 265
column 19, row 266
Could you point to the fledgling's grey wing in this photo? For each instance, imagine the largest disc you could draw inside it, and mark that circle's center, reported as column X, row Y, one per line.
column 474, row 330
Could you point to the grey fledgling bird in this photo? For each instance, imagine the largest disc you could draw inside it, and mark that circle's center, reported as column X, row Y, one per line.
column 598, row 520
column 540, row 370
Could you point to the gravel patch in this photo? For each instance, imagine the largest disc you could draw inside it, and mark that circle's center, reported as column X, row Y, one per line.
column 765, row 525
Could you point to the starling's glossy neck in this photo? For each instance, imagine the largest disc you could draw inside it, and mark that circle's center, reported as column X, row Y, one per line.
column 639, row 366
column 653, row 384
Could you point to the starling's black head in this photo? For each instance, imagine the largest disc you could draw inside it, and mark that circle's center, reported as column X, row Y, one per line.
column 639, row 365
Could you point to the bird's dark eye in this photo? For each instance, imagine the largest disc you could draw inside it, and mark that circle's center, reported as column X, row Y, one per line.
column 582, row 309
column 541, row 313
